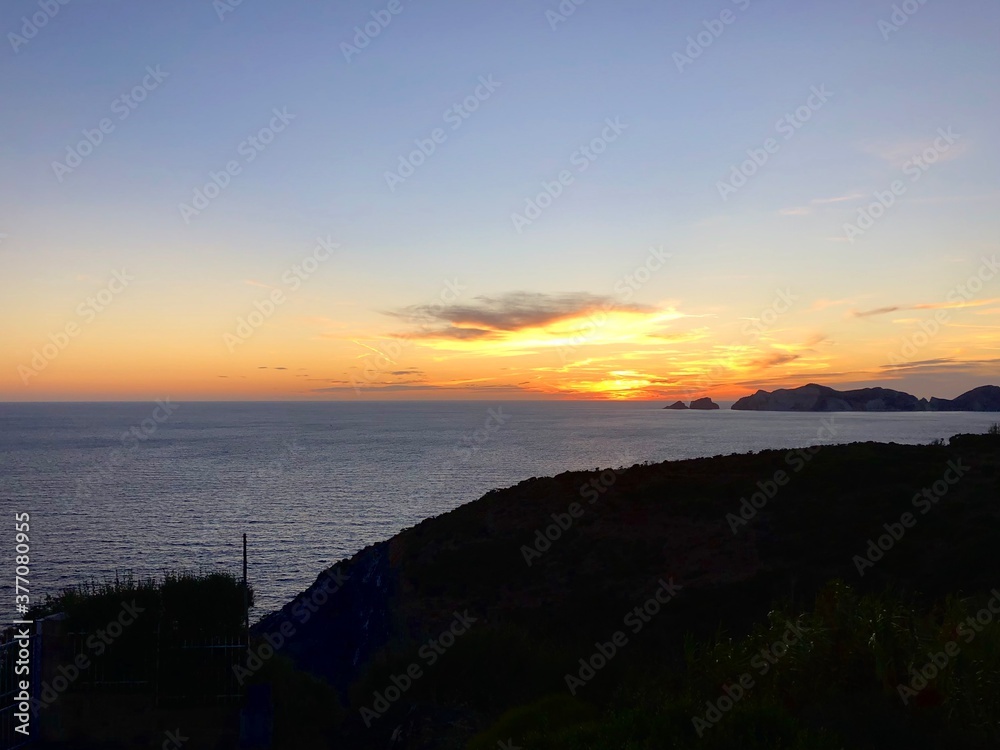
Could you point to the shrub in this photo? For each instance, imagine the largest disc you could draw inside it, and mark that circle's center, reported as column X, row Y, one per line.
column 854, row 652
column 186, row 604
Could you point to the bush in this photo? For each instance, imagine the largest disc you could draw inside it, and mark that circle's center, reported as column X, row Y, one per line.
column 185, row 604
column 852, row 655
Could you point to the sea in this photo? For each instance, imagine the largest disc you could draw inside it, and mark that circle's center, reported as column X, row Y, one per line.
column 145, row 487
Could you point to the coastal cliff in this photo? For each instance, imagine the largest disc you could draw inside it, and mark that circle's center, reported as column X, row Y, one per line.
column 523, row 582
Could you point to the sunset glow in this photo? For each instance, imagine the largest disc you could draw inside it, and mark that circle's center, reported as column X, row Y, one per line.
column 477, row 225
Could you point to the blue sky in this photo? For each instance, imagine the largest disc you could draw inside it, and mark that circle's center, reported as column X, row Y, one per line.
column 325, row 173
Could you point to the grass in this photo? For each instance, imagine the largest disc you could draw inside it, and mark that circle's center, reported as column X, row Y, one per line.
column 186, row 602
column 836, row 685
column 994, row 429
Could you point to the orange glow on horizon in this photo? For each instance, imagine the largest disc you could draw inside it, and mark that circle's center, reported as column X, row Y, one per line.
column 654, row 353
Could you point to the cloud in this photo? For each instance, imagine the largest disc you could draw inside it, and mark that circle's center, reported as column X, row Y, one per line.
column 808, row 209
column 781, row 381
column 773, row 360
column 493, row 389
column 899, row 153
column 954, row 305
column 695, row 334
column 524, row 323
column 514, row 311
column 876, row 311
column 919, row 364
column 943, row 365
column 924, row 306
column 459, row 334
column 838, row 199
column 390, row 377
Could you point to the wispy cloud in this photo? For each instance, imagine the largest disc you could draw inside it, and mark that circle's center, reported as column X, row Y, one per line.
column 838, row 198
column 811, row 206
column 494, row 389
column 945, row 365
column 898, row 153
column 876, row 311
column 919, row 364
column 924, row 306
column 774, row 360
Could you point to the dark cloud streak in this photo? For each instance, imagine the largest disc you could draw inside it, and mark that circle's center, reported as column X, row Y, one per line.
column 514, row 311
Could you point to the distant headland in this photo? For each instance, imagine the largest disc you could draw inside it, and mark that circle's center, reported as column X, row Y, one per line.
column 702, row 404
column 814, row 397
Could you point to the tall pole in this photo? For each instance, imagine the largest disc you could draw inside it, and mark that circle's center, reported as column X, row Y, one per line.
column 246, row 604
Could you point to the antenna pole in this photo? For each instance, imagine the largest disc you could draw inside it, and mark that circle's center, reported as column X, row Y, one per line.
column 246, row 603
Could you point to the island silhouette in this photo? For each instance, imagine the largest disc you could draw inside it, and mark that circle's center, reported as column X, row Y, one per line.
column 815, row 397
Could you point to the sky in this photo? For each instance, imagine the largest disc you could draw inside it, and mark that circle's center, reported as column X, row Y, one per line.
column 419, row 199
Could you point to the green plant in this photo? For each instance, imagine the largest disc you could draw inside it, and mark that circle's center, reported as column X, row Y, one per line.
column 849, row 651
column 184, row 602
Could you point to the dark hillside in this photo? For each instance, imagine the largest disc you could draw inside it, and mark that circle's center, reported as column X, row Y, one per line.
column 617, row 538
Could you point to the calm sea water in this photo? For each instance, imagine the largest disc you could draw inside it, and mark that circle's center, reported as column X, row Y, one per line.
column 313, row 483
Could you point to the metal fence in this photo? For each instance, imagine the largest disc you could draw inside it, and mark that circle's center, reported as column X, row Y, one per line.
column 171, row 671
column 167, row 671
